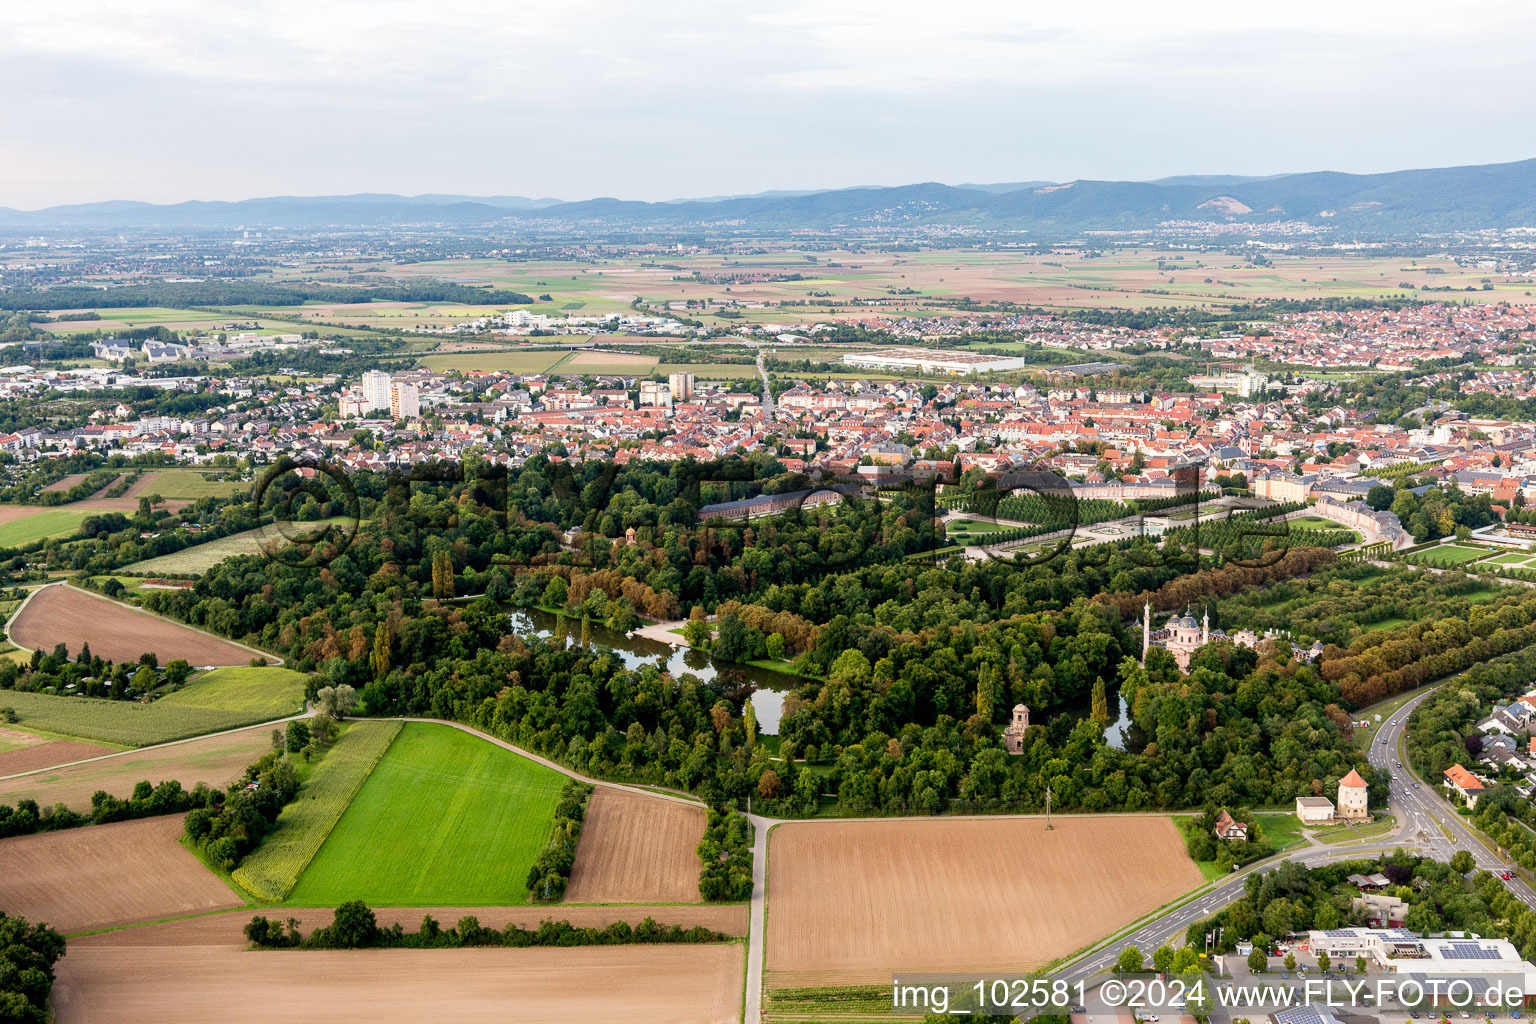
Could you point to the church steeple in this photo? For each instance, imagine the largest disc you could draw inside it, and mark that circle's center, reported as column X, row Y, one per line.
column 1205, row 627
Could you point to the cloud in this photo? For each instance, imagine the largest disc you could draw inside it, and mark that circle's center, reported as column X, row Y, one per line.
column 173, row 99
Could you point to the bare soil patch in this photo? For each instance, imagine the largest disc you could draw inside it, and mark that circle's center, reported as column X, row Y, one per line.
column 105, row 875
column 635, row 984
column 636, row 849
column 216, row 760
column 851, row 902
column 62, row 614
column 45, row 753
column 605, row 358
column 11, row 513
column 65, row 483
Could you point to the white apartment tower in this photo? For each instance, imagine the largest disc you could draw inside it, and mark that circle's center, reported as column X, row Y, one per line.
column 404, row 401
column 682, row 386
column 376, row 390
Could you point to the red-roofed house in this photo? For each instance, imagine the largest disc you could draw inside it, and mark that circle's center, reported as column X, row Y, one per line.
column 1469, row 786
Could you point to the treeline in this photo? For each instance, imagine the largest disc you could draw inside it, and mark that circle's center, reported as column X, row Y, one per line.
column 355, row 927
column 1442, row 727
column 725, row 857
column 1382, row 662
column 28, row 953
column 229, row 831
column 550, row 871
column 251, row 293
column 146, row 801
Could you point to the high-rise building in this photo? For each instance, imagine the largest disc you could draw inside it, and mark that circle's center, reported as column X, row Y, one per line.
column 404, row 401
column 655, row 393
column 375, row 389
column 682, row 386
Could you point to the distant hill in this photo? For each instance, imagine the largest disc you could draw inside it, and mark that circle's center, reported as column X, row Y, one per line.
column 1397, row 203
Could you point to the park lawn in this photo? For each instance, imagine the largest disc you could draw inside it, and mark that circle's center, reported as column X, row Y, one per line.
column 269, row 692
column 1282, row 831
column 445, row 819
column 40, row 525
column 1509, row 558
column 1447, row 554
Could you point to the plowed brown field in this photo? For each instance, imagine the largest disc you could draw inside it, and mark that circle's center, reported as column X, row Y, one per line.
column 851, row 902
column 36, row 752
column 104, row 875
column 636, row 984
column 62, row 614
column 215, row 760
column 636, row 849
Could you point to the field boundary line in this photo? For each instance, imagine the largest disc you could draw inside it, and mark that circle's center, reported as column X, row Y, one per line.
column 307, row 713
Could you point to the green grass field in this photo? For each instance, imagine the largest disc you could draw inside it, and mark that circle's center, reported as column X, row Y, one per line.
column 1510, row 558
column 1447, row 554
column 269, row 692
column 191, row 485
column 40, row 525
column 1282, row 831
column 446, row 819
column 210, row 703
column 199, row 558
column 271, row 872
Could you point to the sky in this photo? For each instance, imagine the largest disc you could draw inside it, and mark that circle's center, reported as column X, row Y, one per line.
column 170, row 100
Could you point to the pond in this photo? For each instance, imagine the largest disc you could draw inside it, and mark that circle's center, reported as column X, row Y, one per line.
column 771, row 687
column 767, row 698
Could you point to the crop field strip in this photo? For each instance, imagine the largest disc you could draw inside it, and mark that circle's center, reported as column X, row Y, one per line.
column 271, row 872
column 174, row 717
column 215, row 760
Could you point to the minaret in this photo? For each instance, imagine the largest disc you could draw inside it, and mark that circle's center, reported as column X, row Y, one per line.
column 1205, row 627
column 1146, row 631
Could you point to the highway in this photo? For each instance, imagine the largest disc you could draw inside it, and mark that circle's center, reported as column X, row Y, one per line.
column 1420, row 813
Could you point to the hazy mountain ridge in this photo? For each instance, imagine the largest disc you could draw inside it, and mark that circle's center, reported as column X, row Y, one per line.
column 1399, row 202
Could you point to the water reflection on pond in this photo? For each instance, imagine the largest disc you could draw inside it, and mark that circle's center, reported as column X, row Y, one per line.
column 767, row 699
column 771, row 687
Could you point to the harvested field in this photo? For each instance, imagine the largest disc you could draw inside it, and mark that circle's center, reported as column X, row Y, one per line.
column 23, row 752
column 852, row 902
column 65, row 483
column 105, row 875
column 63, row 614
column 216, row 760
column 600, row 359
column 635, row 984
column 225, row 928
column 636, row 849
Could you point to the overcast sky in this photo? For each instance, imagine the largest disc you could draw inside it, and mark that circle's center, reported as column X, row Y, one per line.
column 167, row 100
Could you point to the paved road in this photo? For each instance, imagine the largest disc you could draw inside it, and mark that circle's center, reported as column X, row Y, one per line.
column 1420, row 812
